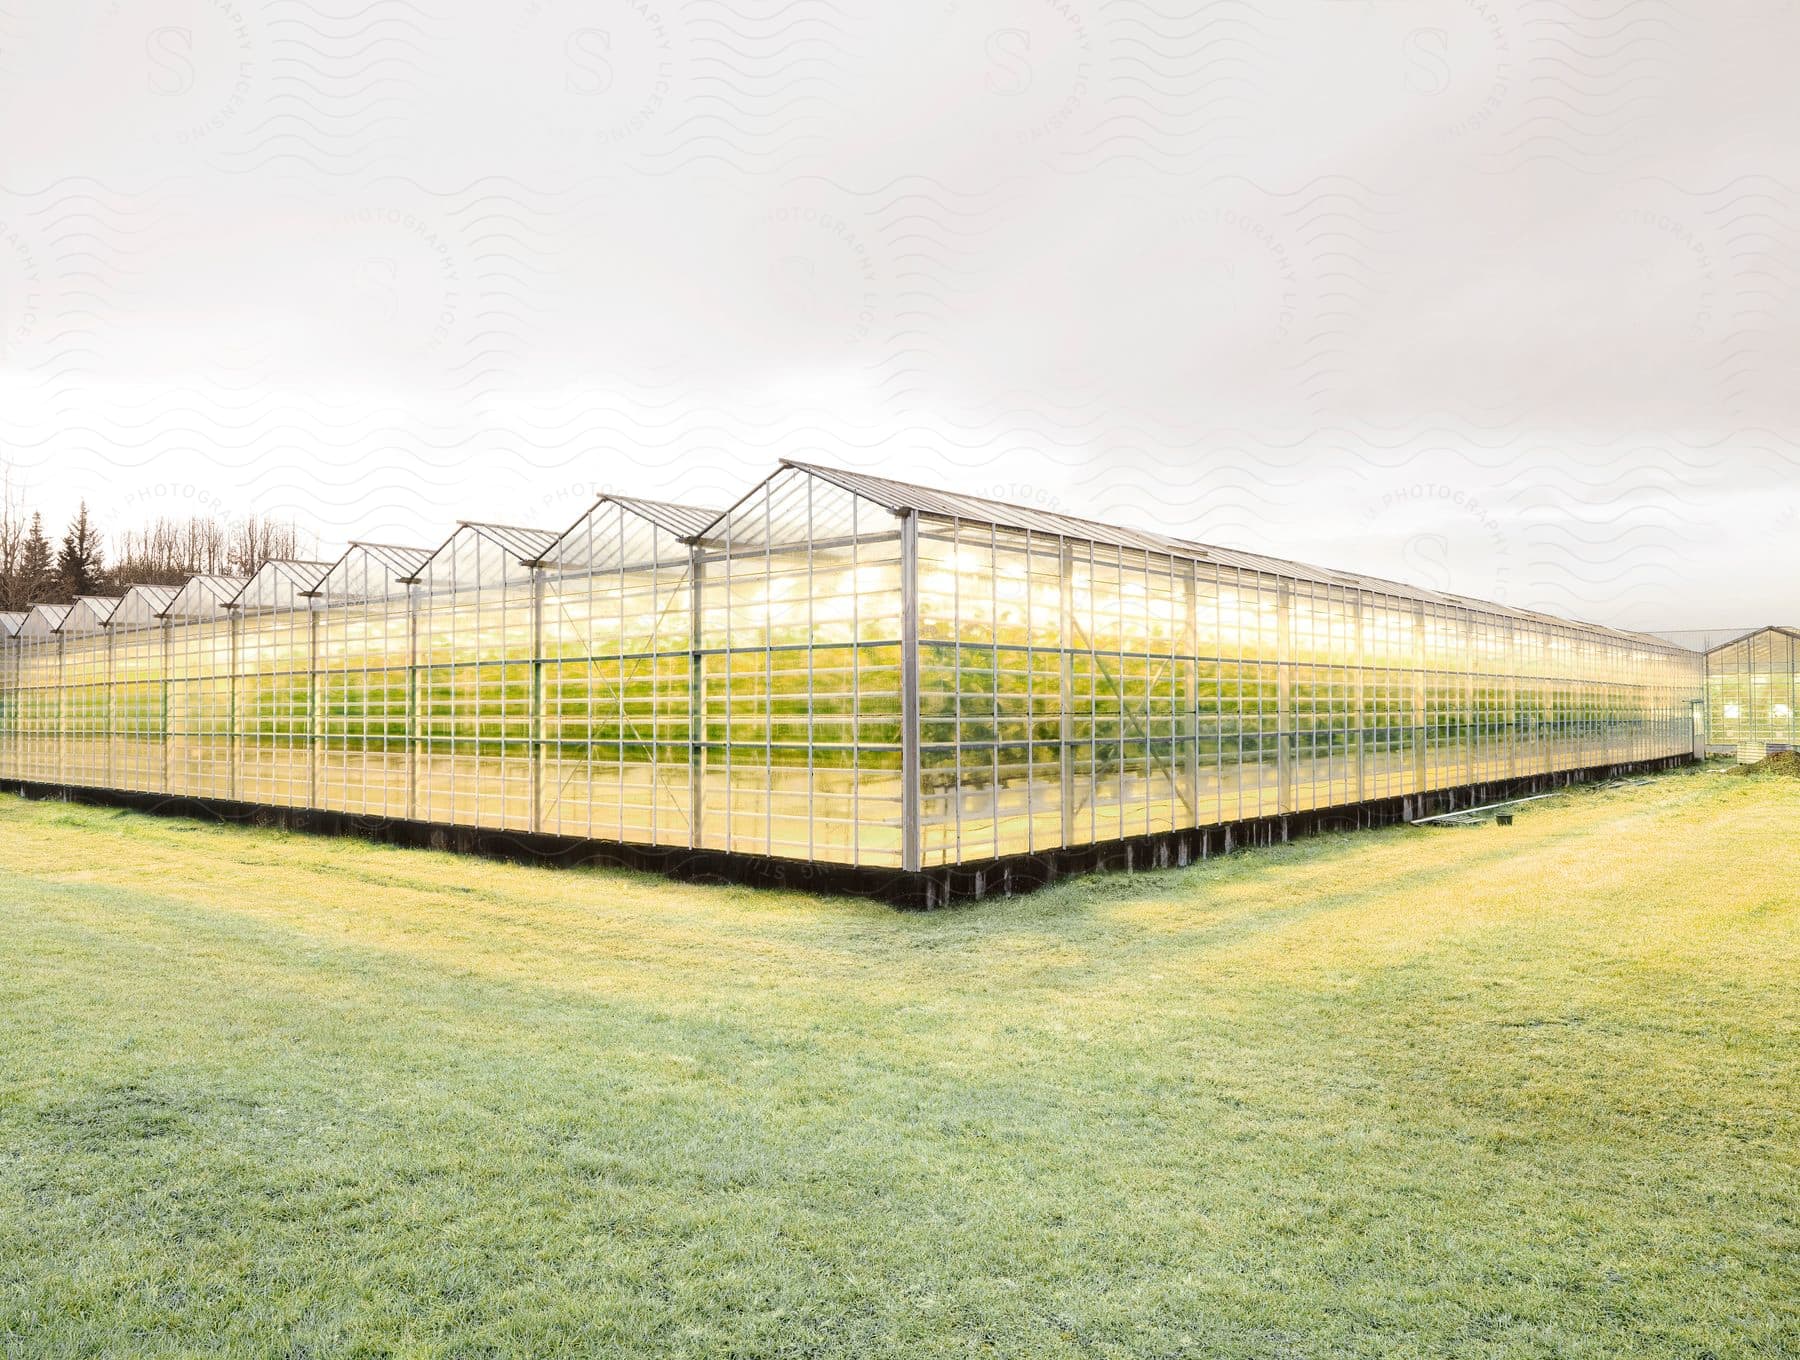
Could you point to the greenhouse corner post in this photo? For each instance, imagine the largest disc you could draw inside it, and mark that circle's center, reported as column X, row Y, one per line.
column 62, row 709
column 315, row 678
column 911, row 790
column 410, row 741
column 1065, row 640
column 1286, row 738
column 1360, row 699
column 163, row 629
column 696, row 697
column 1189, row 725
column 1421, row 705
column 234, row 642
column 112, row 676
column 1474, row 722
column 1512, row 700
column 536, row 746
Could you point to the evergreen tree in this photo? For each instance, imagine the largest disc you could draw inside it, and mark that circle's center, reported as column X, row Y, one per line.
column 78, row 565
column 35, row 572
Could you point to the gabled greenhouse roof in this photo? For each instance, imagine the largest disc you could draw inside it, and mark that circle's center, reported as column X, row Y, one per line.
column 11, row 621
column 898, row 497
column 525, row 544
column 902, row 496
column 520, row 546
column 348, row 577
column 784, row 507
column 279, row 582
column 204, row 596
column 684, row 521
column 1701, row 639
column 304, row 573
column 1755, row 632
column 41, row 620
column 576, row 546
column 401, row 561
column 142, row 604
column 89, row 613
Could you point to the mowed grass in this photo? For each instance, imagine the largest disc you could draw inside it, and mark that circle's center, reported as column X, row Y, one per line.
column 1461, row 1093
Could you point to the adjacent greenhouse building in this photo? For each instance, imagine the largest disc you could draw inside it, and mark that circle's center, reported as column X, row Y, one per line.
column 841, row 679
column 1752, row 692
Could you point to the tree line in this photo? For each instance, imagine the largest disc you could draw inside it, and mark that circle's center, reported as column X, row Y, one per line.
column 164, row 552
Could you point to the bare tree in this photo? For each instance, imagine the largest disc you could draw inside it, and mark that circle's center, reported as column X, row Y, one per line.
column 165, row 551
column 168, row 551
column 256, row 541
column 14, row 527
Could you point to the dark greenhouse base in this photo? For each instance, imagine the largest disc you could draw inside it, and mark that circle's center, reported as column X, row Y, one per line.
column 927, row 888
column 1176, row 849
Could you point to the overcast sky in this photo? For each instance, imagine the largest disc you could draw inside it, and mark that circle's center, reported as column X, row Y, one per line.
column 1494, row 297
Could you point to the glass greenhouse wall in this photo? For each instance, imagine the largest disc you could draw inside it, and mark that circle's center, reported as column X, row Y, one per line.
column 353, row 718
column 839, row 669
column 1752, row 692
column 620, row 675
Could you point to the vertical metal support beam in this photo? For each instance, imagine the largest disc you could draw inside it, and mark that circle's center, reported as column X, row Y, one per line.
column 1511, row 723
column 696, row 696
column 1031, row 710
column 315, row 677
column 1472, row 723
column 1793, row 678
column 859, row 832
column 167, row 737
column 767, row 710
column 106, row 733
column 1361, row 699
column 1190, row 652
column 1549, row 702
column 234, row 621
column 412, row 699
column 1421, row 699
column 1286, row 738
column 15, row 718
column 1584, row 755
column 911, row 773
column 62, row 711
column 9, row 701
column 812, row 692
column 960, row 851
column 535, row 749
column 732, row 702
column 622, row 786
column 1066, row 687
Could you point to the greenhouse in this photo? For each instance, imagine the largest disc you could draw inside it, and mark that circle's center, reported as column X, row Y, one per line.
column 1752, row 692
column 838, row 670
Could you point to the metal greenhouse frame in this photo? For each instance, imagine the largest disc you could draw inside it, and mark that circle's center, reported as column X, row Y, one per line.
column 85, row 721
column 355, row 715
column 617, row 675
column 840, row 679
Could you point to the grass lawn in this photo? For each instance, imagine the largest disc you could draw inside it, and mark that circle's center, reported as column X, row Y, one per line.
column 1454, row 1092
